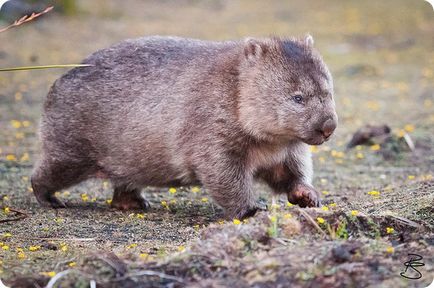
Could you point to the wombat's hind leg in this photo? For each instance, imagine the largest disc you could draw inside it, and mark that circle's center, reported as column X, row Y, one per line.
column 48, row 177
column 125, row 198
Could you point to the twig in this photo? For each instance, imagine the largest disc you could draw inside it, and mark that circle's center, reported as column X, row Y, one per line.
column 22, row 215
column 405, row 221
column 56, row 277
column 63, row 262
column 150, row 273
column 43, row 67
column 27, row 18
column 57, row 239
column 117, row 264
column 309, row 218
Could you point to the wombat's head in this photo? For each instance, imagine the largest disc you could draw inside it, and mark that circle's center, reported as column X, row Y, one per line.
column 286, row 91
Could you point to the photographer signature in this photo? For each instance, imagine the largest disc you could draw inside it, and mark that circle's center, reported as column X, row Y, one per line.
column 412, row 264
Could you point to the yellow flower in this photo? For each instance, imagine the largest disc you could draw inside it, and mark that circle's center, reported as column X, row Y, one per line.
column 287, row 216
column 273, row 219
column 58, row 220
column 5, row 247
column 7, row 234
column 19, row 135
column 25, row 157
column 275, row 206
column 332, row 205
column 105, row 184
column 172, row 190
column 11, row 157
column 18, row 96
column 109, row 201
column 313, row 149
column 374, row 193
column 390, row 230
column 164, row 204
column 400, row 133
column 93, row 199
column 359, row 147
column 5, row 198
column 204, row 199
column 375, row 147
column 140, row 215
column 373, row 105
column 324, row 192
column 195, row 189
column 320, row 220
column 390, row 249
column 48, row 274
column 63, row 247
column 359, row 155
column 132, row 245
column 7, row 210
column 245, row 221
column 181, row 248
column 289, row 204
column 16, row 124
column 25, row 123
column 325, row 208
column 196, row 227
column 237, row 222
column 427, row 177
column 34, row 248
column 21, row 255
column 409, row 127
column 146, row 256
column 84, row 197
column 411, row 177
column 221, row 222
column 72, row 264
column 354, row 212
column 173, row 201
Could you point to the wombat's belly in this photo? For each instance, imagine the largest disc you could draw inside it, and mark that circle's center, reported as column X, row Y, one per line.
column 147, row 169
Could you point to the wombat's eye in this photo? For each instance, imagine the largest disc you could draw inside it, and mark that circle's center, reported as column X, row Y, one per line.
column 298, row 99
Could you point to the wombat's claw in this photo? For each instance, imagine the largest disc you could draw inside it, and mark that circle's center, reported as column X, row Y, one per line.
column 252, row 211
column 304, row 196
column 51, row 201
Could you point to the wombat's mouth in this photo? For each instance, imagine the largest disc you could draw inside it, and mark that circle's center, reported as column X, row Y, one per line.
column 316, row 140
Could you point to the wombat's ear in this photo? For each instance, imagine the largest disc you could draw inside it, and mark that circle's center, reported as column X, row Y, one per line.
column 308, row 40
column 254, row 49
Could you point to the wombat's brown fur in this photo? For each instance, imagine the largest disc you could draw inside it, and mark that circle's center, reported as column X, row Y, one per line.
column 167, row 111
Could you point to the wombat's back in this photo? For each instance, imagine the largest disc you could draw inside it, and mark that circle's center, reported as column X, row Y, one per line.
column 127, row 112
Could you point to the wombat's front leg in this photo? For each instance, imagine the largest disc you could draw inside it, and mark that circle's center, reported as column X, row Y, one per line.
column 231, row 187
column 293, row 177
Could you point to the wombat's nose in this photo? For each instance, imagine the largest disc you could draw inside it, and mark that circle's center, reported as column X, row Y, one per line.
column 328, row 127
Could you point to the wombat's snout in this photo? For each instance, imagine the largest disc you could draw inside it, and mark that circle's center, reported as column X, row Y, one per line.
column 328, row 127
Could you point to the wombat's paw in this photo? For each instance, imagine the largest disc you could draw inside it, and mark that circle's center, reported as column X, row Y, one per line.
column 138, row 203
column 50, row 201
column 304, row 196
column 249, row 212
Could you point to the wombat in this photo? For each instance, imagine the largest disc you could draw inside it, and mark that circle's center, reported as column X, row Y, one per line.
column 169, row 111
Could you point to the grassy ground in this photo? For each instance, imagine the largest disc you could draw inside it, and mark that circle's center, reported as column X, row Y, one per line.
column 381, row 55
